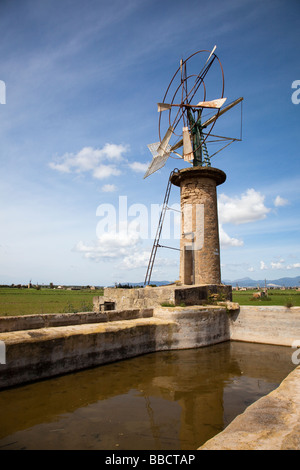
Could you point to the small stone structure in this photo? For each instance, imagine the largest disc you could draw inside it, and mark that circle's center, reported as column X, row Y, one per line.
column 151, row 297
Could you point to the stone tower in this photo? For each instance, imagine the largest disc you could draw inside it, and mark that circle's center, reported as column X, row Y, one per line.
column 199, row 242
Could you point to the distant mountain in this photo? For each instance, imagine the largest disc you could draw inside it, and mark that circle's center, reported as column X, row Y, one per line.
column 243, row 282
column 282, row 282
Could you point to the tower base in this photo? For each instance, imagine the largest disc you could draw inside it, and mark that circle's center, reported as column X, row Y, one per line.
column 199, row 241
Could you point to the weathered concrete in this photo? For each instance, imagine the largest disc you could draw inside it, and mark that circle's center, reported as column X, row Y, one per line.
column 151, row 297
column 148, row 297
column 268, row 325
column 91, row 339
column 33, row 354
column 41, row 346
column 196, row 326
column 271, row 423
column 31, row 322
column 36, row 354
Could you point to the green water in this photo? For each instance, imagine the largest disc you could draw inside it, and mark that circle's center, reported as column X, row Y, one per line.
column 162, row 401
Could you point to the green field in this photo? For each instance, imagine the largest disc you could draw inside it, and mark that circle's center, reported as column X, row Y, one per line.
column 14, row 301
column 288, row 298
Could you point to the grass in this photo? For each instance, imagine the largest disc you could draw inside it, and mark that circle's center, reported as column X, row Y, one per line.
column 14, row 301
column 287, row 298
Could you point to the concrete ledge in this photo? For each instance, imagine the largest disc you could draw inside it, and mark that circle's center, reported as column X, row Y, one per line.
column 30, row 322
column 36, row 354
column 271, row 423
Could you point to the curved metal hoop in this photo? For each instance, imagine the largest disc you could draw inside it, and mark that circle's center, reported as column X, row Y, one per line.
column 198, row 82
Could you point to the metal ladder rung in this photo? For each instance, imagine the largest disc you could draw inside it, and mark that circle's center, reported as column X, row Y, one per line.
column 159, row 229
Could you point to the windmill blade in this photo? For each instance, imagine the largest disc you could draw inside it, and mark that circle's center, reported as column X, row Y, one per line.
column 227, row 108
column 160, row 152
column 165, row 142
column 158, row 162
column 187, row 145
column 153, row 148
column 211, row 54
column 209, row 121
column 212, row 104
column 218, row 103
column 202, row 75
column 163, row 107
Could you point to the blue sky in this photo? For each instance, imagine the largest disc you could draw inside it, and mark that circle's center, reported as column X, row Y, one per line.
column 83, row 79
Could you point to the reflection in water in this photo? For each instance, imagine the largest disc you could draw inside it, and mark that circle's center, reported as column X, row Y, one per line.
column 167, row 400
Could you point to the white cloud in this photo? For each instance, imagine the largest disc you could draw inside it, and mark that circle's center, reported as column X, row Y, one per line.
column 277, row 265
column 249, row 207
column 140, row 259
column 280, row 201
column 139, row 167
column 226, row 240
column 293, row 266
column 121, row 246
column 280, row 264
column 89, row 159
column 114, row 152
column 109, row 188
column 136, row 260
column 263, row 265
column 112, row 244
column 105, row 171
column 118, row 243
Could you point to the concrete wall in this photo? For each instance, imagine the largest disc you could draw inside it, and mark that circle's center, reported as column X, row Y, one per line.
column 36, row 354
column 268, row 325
column 33, row 354
column 195, row 326
column 42, row 346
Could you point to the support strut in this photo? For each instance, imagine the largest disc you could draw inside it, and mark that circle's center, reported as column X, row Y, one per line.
column 159, row 230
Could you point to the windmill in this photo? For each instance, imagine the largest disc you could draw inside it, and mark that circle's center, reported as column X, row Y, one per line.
column 188, row 114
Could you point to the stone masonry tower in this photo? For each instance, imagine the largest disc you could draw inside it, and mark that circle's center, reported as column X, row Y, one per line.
column 199, row 243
